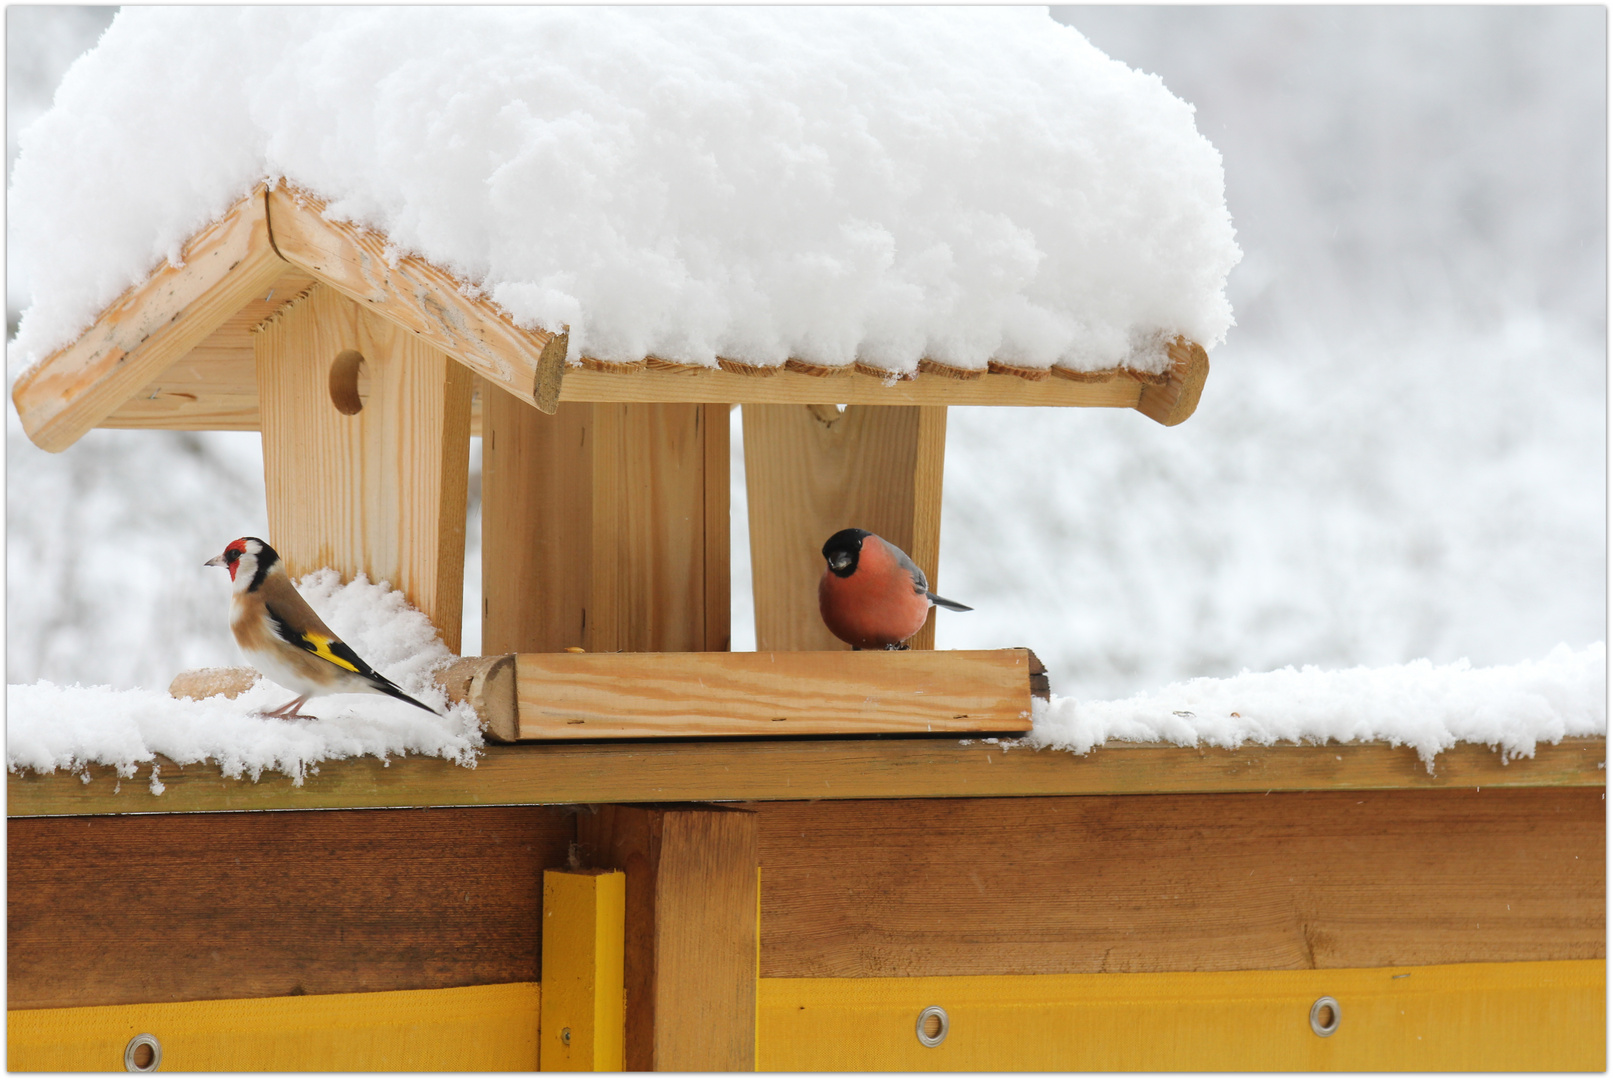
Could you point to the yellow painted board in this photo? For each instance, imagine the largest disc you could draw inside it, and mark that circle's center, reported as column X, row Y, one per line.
column 1470, row 1017
column 463, row 1029
column 584, row 1008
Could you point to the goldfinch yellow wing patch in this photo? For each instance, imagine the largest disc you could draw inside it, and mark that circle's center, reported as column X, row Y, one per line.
column 326, row 648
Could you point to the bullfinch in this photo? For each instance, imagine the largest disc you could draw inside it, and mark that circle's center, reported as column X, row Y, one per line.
column 283, row 638
column 871, row 595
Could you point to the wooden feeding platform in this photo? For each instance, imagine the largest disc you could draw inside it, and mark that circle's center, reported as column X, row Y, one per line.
column 801, row 858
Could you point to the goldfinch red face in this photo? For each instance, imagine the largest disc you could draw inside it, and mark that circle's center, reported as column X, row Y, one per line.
column 248, row 560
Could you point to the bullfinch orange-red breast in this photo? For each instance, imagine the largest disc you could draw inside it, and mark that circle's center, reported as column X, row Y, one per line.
column 871, row 595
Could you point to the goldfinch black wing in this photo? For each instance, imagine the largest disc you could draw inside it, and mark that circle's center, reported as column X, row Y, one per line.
column 326, row 647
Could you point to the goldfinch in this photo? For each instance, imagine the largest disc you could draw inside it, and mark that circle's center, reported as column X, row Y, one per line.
column 283, row 638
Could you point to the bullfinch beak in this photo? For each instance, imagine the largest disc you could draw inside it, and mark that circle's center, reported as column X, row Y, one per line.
column 871, row 595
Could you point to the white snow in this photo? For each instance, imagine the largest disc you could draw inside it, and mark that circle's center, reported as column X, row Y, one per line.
column 52, row 727
column 1432, row 708
column 830, row 184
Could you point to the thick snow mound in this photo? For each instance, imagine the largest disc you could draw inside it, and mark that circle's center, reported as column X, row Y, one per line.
column 51, row 727
column 829, row 184
column 1512, row 707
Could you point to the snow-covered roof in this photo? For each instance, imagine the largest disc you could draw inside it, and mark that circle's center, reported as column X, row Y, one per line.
column 876, row 186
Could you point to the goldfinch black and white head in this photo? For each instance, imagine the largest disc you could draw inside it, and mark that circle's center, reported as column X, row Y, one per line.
column 283, row 638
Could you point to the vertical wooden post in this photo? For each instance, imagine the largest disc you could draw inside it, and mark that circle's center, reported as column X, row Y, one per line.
column 580, row 1007
column 366, row 434
column 810, row 471
column 604, row 526
column 691, row 937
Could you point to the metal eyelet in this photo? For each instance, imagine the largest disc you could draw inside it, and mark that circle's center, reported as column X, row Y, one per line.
column 132, row 1055
column 1325, row 1016
column 932, row 1026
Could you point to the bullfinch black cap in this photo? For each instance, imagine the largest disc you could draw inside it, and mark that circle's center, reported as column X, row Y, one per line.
column 841, row 550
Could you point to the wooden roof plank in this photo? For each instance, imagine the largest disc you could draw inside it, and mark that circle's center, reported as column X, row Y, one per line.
column 418, row 296
column 150, row 326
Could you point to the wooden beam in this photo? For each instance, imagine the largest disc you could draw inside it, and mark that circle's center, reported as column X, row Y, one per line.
column 788, row 387
column 1110, row 883
column 805, row 769
column 583, row 925
column 811, row 471
column 1176, row 400
column 151, row 908
column 691, row 939
column 381, row 490
column 221, row 269
column 644, row 695
column 604, row 527
column 423, row 299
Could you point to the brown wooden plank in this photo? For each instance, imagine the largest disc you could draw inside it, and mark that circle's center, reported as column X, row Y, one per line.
column 381, row 491
column 224, row 267
column 638, row 695
column 1182, row 882
column 421, row 298
column 851, row 387
column 812, row 471
column 1178, row 397
column 787, row 769
column 152, row 908
column 716, row 571
column 691, row 939
column 213, row 387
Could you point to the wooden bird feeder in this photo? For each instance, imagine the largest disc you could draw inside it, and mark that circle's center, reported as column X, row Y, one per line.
column 646, row 883
column 604, row 487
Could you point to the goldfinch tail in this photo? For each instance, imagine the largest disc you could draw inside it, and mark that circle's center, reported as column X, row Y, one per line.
column 383, row 685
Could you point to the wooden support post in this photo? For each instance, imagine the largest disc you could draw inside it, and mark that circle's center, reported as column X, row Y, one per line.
column 691, row 938
column 366, row 433
column 604, row 526
column 581, row 1009
column 810, row 471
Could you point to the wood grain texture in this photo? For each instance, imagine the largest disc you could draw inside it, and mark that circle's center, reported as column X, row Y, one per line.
column 152, row 908
column 645, row 695
column 786, row 769
column 1182, row 882
column 537, row 521
column 853, row 388
column 1177, row 399
column 691, row 938
column 600, row 527
column 487, row 685
column 812, row 471
column 223, row 268
column 421, row 298
column 381, row 491
column 214, row 386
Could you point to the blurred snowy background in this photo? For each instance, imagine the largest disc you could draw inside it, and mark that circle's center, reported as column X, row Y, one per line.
column 1401, row 452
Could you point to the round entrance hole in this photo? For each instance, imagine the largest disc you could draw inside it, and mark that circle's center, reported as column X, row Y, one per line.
column 346, row 371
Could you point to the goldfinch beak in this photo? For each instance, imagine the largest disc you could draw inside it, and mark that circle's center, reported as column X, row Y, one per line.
column 216, row 560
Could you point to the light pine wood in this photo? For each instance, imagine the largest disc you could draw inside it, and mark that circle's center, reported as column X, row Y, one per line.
column 691, row 937
column 157, row 907
column 223, row 268
column 417, row 296
column 382, row 491
column 204, row 683
column 802, row 769
column 487, row 685
column 214, row 386
column 582, row 1020
column 1118, row 884
column 601, row 528
column 1177, row 399
column 849, row 387
column 630, row 695
column 811, row 471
